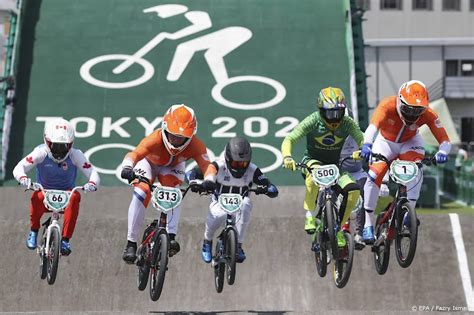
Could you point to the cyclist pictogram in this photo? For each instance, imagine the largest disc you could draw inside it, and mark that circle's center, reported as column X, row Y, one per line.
column 216, row 46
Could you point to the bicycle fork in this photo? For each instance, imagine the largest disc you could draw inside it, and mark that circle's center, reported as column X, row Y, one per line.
column 53, row 225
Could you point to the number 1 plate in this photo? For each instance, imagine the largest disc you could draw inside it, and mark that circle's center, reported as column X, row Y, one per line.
column 403, row 172
column 166, row 198
column 230, row 203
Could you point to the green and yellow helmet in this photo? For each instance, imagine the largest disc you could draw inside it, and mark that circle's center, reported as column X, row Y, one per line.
column 332, row 106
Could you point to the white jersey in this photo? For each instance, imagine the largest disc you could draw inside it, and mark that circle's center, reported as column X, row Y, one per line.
column 227, row 183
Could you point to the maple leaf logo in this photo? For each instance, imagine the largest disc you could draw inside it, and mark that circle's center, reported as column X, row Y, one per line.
column 86, row 165
column 29, row 159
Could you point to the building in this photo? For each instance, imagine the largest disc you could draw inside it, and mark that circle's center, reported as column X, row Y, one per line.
column 428, row 40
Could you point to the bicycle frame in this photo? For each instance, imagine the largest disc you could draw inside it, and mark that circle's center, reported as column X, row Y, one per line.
column 400, row 198
column 53, row 208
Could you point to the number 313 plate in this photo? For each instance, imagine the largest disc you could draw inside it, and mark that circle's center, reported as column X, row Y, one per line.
column 166, row 198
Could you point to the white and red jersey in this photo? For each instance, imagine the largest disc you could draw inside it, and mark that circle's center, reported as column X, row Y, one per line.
column 52, row 175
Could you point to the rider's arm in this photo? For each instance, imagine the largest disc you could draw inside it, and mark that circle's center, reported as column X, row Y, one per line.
column 80, row 161
column 29, row 162
column 301, row 130
column 376, row 121
column 198, row 152
column 438, row 131
column 211, row 172
column 260, row 179
column 353, row 129
column 141, row 151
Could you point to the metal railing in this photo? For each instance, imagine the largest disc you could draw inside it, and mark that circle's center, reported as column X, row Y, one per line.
column 7, row 89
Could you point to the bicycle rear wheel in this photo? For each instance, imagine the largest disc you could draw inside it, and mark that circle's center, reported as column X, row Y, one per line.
column 159, row 264
column 381, row 252
column 230, row 250
column 219, row 268
column 53, row 255
column 406, row 238
column 343, row 264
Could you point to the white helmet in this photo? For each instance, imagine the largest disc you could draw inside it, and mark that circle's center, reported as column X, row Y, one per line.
column 58, row 137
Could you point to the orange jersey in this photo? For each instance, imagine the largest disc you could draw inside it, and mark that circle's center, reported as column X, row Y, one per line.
column 392, row 128
column 153, row 149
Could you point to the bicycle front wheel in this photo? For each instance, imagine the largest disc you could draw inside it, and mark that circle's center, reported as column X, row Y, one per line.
column 407, row 235
column 330, row 223
column 230, row 250
column 159, row 264
column 43, row 257
column 219, row 268
column 53, row 255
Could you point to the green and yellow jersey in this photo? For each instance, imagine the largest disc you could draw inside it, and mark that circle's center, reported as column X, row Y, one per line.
column 322, row 144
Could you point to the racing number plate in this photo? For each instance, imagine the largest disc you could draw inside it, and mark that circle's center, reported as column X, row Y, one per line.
column 56, row 200
column 230, row 203
column 403, row 172
column 325, row 175
column 166, row 198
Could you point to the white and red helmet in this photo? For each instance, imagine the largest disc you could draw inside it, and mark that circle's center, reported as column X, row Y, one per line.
column 178, row 127
column 58, row 138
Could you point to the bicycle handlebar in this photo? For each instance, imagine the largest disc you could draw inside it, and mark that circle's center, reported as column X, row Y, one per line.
column 145, row 180
column 428, row 161
column 38, row 187
column 355, row 157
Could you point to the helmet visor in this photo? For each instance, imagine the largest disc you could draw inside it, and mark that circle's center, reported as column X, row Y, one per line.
column 59, row 150
column 239, row 164
column 333, row 115
column 412, row 111
column 176, row 140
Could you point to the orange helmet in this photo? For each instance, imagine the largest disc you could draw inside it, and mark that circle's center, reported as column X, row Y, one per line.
column 412, row 101
column 178, row 128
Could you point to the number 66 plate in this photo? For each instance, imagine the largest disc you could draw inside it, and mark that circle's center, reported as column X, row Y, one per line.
column 56, row 200
column 166, row 198
column 230, row 203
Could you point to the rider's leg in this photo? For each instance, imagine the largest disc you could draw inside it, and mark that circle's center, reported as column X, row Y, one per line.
column 70, row 215
column 172, row 176
column 351, row 193
column 215, row 218
column 37, row 209
column 413, row 150
column 372, row 186
column 243, row 222
column 242, row 225
column 360, row 217
column 136, row 210
column 310, row 196
column 70, row 218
